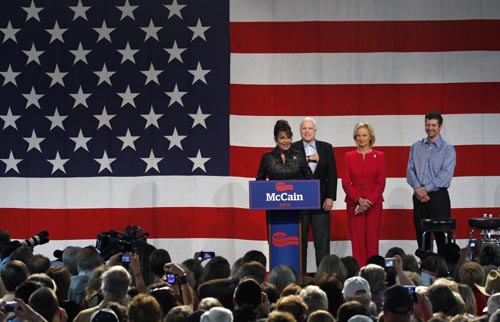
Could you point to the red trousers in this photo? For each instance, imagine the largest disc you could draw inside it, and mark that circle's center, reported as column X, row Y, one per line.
column 365, row 232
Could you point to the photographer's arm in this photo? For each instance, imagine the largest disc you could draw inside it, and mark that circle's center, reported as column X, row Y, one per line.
column 464, row 254
column 115, row 259
column 135, row 265
column 185, row 289
column 398, row 267
column 25, row 312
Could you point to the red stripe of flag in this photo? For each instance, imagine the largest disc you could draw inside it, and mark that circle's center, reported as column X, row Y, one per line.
column 364, row 36
column 377, row 99
column 178, row 222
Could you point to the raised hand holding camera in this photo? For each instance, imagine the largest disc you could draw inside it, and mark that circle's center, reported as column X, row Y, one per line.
column 201, row 256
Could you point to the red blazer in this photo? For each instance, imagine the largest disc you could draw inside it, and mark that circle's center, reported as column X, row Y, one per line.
column 364, row 178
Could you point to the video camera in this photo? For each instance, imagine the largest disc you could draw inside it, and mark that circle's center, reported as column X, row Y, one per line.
column 132, row 239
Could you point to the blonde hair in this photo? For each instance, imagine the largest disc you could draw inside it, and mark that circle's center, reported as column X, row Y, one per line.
column 369, row 127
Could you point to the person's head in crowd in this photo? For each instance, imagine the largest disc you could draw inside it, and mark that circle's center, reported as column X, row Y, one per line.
column 451, row 254
column 320, row 316
column 281, row 276
column 351, row 265
column 14, row 273
column 217, row 267
column 44, row 279
column 448, row 282
column 255, row 269
column 438, row 318
column 164, row 295
column 106, row 314
column 248, row 294
column 272, row 292
column 357, row 288
column 436, row 265
column 398, row 304
column 291, row 289
column 489, row 254
column 4, row 237
column 44, row 301
column 144, row 308
column 23, row 254
column 221, row 288
column 443, row 300
column 331, row 265
column 315, row 299
column 208, row 302
column 88, row 259
column 377, row 260
column 461, row 318
column 39, row 264
column 278, row 316
column 375, row 276
column 8, row 247
column 333, row 288
column 360, row 318
column 350, row 309
column 306, row 280
column 62, row 278
column 217, row 314
column 70, row 259
column 410, row 263
column 178, row 314
column 393, row 251
column 157, row 260
column 467, row 296
column 493, row 304
column 235, row 268
column 195, row 269
column 255, row 255
column 293, row 304
column 26, row 288
column 471, row 273
column 115, row 283
column 492, row 284
column 495, row 317
column 93, row 293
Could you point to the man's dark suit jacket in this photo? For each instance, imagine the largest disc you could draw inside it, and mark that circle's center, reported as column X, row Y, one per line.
column 326, row 170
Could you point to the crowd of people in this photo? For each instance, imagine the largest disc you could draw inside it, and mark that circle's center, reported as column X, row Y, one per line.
column 146, row 285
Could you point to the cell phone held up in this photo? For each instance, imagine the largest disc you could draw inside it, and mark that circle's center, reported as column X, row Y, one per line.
column 411, row 290
column 170, row 278
column 9, row 306
column 389, row 262
column 201, row 256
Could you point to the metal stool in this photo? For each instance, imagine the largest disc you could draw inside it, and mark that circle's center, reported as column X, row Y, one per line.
column 489, row 227
column 445, row 225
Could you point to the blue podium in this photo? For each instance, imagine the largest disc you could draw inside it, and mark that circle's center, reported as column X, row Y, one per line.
column 282, row 200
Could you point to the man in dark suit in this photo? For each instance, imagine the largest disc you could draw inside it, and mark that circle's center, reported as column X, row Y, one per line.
column 321, row 159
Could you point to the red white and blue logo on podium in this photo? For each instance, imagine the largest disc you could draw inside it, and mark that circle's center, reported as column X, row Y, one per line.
column 280, row 195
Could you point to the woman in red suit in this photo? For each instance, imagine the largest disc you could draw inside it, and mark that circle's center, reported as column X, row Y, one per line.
column 363, row 181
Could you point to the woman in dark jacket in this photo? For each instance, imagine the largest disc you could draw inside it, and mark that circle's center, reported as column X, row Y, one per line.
column 283, row 163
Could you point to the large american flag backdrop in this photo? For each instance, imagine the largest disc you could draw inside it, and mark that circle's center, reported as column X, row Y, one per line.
column 156, row 113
